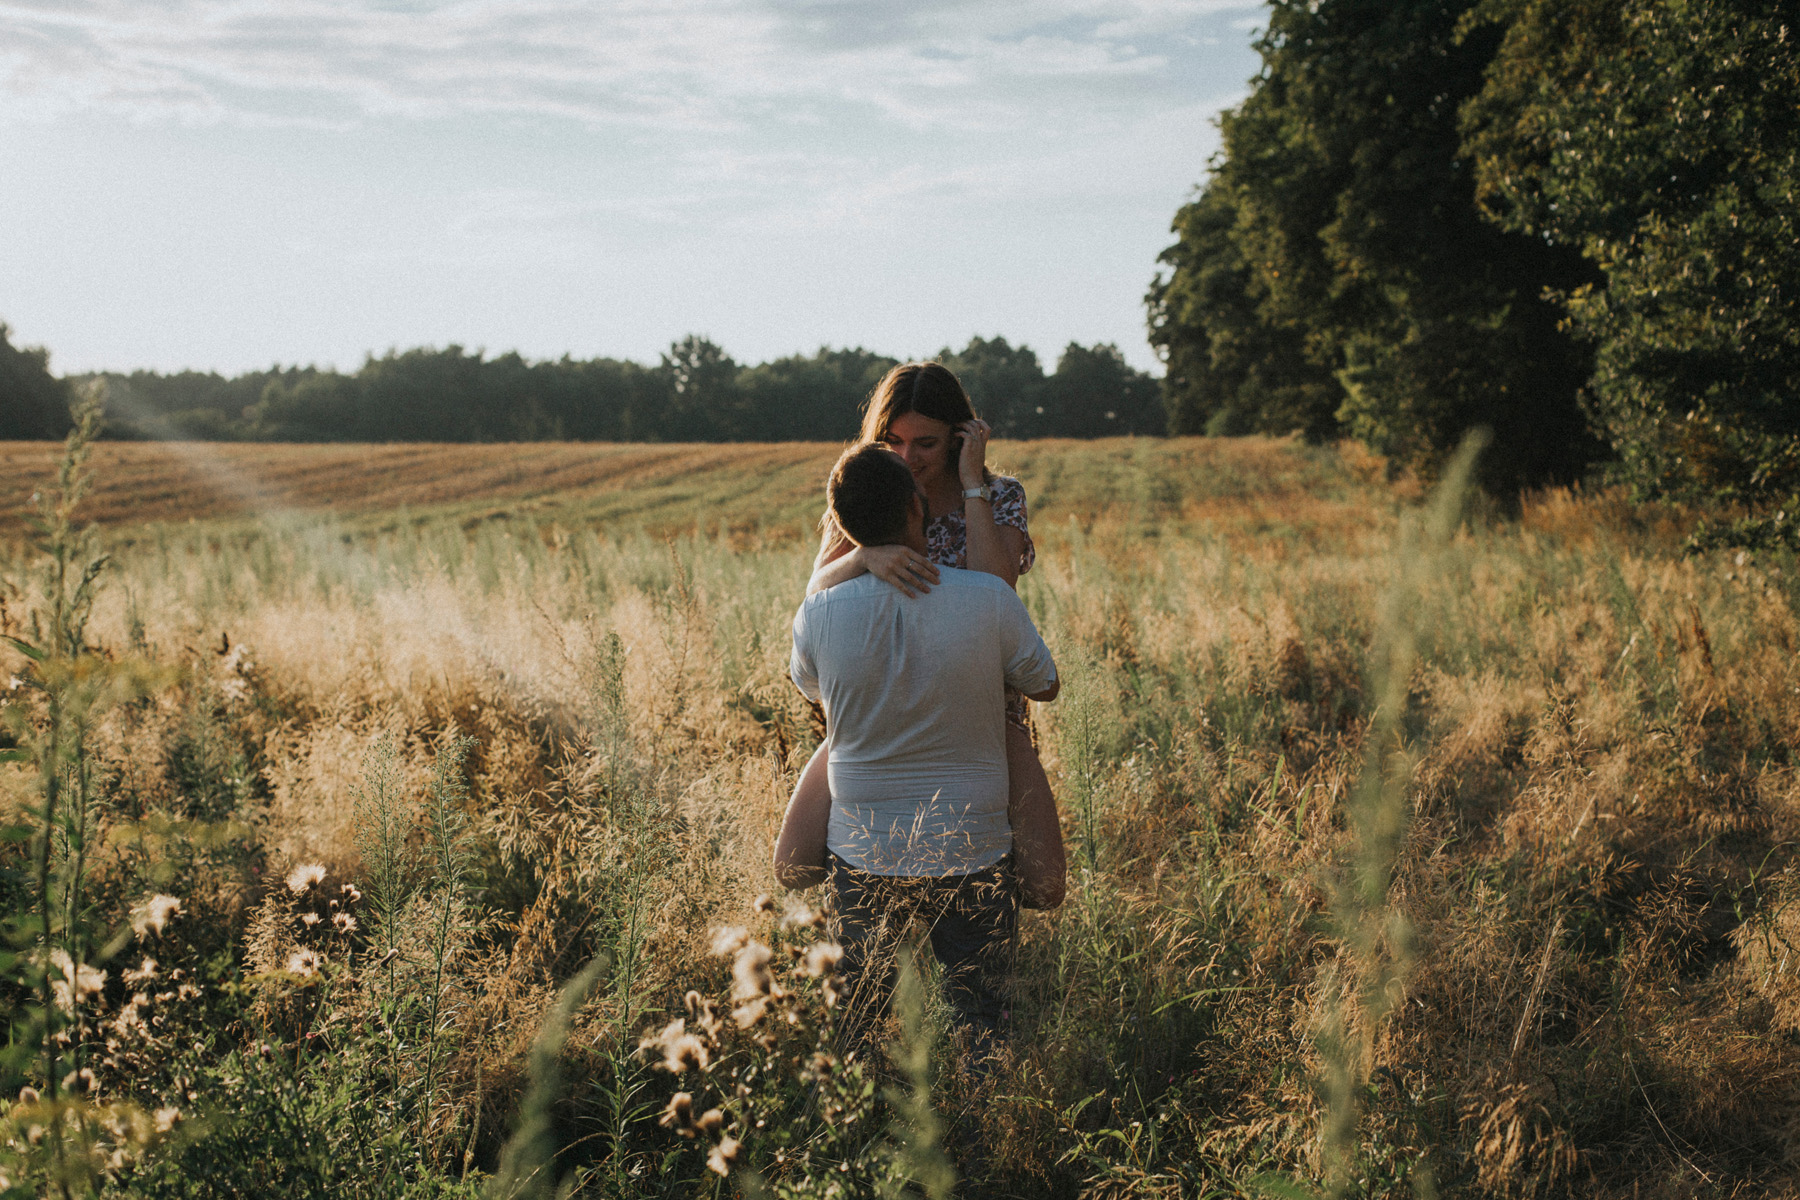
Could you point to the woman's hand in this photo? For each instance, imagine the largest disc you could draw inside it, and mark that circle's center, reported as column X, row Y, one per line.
column 972, row 464
column 901, row 566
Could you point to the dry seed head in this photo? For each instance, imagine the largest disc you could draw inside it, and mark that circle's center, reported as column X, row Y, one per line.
column 351, row 895
column 750, row 974
column 822, row 960
column 79, row 1083
column 305, row 963
column 680, row 1049
column 344, row 922
column 309, row 919
column 76, row 982
column 679, row 1116
column 143, row 973
column 153, row 914
column 727, row 940
column 28, row 1095
column 166, row 1118
column 725, row 1155
column 305, row 878
column 764, row 903
column 710, row 1122
column 749, row 1014
column 802, row 916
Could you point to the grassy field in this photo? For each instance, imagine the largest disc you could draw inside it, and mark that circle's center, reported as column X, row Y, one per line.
column 1416, row 849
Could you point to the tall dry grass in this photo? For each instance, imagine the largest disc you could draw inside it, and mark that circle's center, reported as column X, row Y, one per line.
column 1572, row 968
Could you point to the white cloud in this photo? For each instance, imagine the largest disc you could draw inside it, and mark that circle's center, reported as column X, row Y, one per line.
column 703, row 65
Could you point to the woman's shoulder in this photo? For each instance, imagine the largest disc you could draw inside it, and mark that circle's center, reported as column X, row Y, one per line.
column 1006, row 485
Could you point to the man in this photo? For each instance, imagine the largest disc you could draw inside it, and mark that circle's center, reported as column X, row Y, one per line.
column 914, row 693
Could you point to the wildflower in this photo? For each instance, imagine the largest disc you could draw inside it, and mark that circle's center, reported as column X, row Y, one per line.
column 77, row 983
column 725, row 1155
column 144, row 973
column 153, row 914
column 166, row 1118
column 727, row 940
column 28, row 1095
column 304, row 963
column 130, row 1022
column 188, row 991
column 309, row 919
column 764, row 903
column 304, row 878
column 350, row 892
column 710, row 1121
column 801, row 916
column 749, row 1014
column 701, row 1010
column 679, row 1116
column 680, row 1049
column 822, row 960
column 79, row 1083
column 750, row 974
column 344, row 922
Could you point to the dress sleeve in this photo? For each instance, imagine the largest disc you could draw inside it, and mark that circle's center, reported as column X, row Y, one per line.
column 1009, row 509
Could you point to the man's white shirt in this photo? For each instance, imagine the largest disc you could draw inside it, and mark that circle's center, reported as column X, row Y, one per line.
column 914, row 692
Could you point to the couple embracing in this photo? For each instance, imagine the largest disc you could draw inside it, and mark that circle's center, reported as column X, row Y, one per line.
column 927, row 799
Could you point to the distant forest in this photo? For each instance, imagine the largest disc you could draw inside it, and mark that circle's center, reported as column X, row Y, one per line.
column 695, row 393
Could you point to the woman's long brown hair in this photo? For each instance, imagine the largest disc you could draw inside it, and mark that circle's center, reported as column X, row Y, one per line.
column 928, row 388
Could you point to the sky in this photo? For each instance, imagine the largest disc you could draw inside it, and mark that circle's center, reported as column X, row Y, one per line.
column 226, row 184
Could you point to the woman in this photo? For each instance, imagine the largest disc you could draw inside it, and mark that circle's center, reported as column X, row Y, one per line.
column 978, row 523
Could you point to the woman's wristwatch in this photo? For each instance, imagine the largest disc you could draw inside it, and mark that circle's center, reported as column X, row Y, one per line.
column 984, row 492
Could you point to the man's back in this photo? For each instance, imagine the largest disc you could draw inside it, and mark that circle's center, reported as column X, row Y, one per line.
column 914, row 692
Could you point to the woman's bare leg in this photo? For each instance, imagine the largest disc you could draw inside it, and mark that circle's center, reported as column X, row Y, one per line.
column 800, row 850
column 1037, row 833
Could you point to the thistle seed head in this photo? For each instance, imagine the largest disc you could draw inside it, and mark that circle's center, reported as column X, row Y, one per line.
column 305, row 878
column 153, row 914
column 727, row 940
column 750, row 974
column 725, row 1155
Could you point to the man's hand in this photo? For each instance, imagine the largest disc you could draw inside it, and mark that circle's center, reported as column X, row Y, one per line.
column 901, row 566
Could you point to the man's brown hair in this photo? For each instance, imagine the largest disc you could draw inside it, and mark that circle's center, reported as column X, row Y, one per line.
column 870, row 492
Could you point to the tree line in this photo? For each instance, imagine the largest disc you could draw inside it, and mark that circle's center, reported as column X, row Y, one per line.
column 696, row 392
column 1571, row 221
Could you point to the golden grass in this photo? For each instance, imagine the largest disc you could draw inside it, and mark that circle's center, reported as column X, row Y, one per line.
column 1602, row 995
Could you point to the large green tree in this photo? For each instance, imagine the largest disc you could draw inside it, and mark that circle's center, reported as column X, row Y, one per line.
column 811, row 397
column 1661, row 138
column 1096, row 393
column 1233, row 365
column 1004, row 381
column 1336, row 273
column 33, row 402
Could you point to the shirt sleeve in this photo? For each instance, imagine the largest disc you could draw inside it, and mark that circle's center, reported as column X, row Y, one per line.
column 1029, row 667
column 1009, row 509
column 800, row 663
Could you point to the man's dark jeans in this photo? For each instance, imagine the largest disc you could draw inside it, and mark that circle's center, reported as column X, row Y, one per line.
column 972, row 920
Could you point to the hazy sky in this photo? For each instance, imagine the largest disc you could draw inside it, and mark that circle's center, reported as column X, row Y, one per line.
column 225, row 184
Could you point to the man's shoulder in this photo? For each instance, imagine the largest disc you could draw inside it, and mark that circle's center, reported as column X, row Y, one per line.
column 857, row 587
column 977, row 581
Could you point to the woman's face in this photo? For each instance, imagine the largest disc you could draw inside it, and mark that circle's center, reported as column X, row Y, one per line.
column 924, row 444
